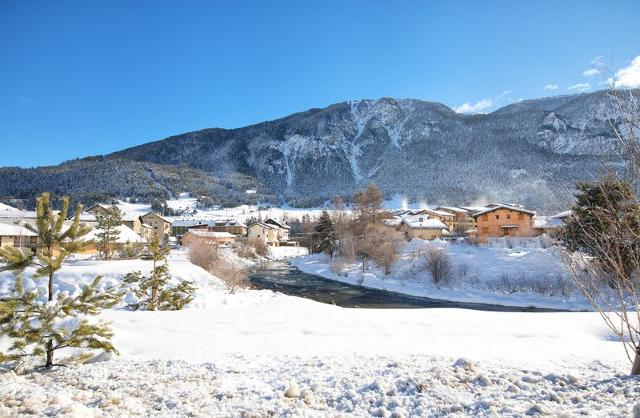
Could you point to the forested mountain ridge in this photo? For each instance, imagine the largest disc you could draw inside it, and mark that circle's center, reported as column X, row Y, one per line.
column 531, row 152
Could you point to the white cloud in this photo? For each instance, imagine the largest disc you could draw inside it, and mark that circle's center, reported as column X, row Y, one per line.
column 590, row 72
column 550, row 87
column 579, row 87
column 629, row 76
column 505, row 93
column 474, row 107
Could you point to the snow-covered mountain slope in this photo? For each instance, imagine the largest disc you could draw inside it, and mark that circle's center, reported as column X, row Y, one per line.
column 532, row 151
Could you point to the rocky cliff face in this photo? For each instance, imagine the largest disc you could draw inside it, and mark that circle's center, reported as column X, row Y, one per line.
column 531, row 152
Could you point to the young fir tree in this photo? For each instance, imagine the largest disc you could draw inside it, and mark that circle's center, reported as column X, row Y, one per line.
column 153, row 291
column 324, row 235
column 39, row 323
column 107, row 232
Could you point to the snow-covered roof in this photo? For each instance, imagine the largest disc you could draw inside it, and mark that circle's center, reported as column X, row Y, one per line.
column 190, row 222
column 130, row 217
column 264, row 225
column 395, row 221
column 500, row 206
column 18, row 214
column 126, row 235
column 4, row 207
column 7, row 230
column 278, row 223
column 210, row 234
column 561, row 215
column 425, row 223
column 453, row 209
column 547, row 222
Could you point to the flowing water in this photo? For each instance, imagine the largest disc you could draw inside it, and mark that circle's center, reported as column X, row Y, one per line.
column 284, row 278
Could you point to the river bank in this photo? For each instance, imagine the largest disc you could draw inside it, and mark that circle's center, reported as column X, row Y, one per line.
column 525, row 276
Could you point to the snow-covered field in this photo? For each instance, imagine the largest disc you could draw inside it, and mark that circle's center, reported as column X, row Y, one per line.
column 528, row 274
column 259, row 353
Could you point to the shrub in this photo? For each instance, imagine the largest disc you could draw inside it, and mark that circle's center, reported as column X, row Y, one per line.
column 202, row 254
column 232, row 273
column 438, row 264
column 260, row 247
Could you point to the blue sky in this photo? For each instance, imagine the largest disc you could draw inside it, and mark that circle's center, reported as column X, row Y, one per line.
column 84, row 78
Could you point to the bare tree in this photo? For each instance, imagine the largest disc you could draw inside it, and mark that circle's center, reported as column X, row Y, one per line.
column 438, row 263
column 602, row 241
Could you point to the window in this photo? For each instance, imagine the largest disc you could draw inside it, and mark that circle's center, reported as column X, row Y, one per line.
column 508, row 216
column 497, row 216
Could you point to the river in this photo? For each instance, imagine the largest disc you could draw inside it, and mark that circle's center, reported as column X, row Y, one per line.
column 282, row 277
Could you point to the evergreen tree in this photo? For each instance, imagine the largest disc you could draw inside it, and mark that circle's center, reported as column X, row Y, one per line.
column 324, row 235
column 606, row 222
column 39, row 323
column 108, row 233
column 153, row 291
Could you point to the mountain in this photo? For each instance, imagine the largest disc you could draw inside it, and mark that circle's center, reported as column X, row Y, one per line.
column 531, row 152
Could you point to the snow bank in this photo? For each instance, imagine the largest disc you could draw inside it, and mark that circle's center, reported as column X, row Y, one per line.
column 358, row 386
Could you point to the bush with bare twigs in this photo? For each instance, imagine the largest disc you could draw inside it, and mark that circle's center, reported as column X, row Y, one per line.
column 202, row 254
column 259, row 247
column 233, row 273
column 438, row 264
column 380, row 243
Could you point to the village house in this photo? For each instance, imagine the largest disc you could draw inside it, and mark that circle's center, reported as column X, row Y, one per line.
column 283, row 229
column 133, row 222
column 504, row 221
column 18, row 236
column 198, row 236
column 463, row 221
column 549, row 224
column 264, row 232
column 229, row 225
column 161, row 226
column 96, row 209
column 419, row 226
column 180, row 227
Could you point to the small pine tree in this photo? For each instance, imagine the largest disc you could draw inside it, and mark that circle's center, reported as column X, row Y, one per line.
column 324, row 235
column 153, row 291
column 40, row 323
column 108, row 233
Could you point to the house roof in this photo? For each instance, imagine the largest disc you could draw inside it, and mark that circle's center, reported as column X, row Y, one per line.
column 277, row 223
column 561, row 215
column 545, row 222
column 125, row 235
column 453, row 209
column 209, row 234
column 98, row 205
column 424, row 224
column 500, row 206
column 189, row 222
column 7, row 230
column 4, row 207
column 264, row 225
column 18, row 214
